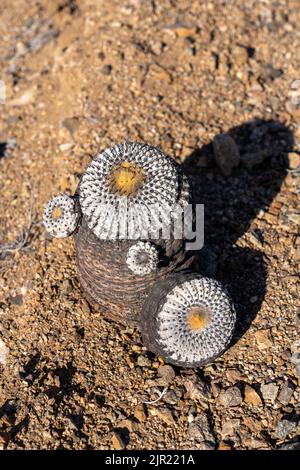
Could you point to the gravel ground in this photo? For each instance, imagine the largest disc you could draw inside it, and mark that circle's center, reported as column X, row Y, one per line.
column 214, row 85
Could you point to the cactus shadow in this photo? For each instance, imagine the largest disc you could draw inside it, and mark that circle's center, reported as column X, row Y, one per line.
column 231, row 206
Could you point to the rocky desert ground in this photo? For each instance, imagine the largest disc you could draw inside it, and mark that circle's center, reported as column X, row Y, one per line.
column 216, row 85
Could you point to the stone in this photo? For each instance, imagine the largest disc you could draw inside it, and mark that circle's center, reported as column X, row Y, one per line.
column 106, row 69
column 71, row 124
column 239, row 55
column 293, row 160
column 143, row 361
column 252, row 159
column 293, row 444
column 24, row 99
column 252, row 423
column 129, row 424
column 286, row 392
column 293, row 217
column 166, row 374
column 233, row 375
column 3, row 353
column 201, row 430
column 11, row 143
column 297, row 370
column 164, row 414
column 226, row 153
column 2, row 443
column 117, row 441
column 262, row 338
column 252, row 443
column 139, row 413
column 251, row 396
column 205, row 446
column 171, row 398
column 183, row 30
column 224, row 446
column 66, row 146
column 16, row 300
column 284, row 428
column 230, row 397
column 230, row 427
column 297, row 316
column 197, row 390
column 269, row 391
column 295, row 347
column 85, row 307
column 66, row 287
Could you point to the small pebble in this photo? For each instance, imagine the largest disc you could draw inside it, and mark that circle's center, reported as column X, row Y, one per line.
column 251, row 396
column 293, row 160
column 139, row 413
column 143, row 361
column 230, row 397
column 3, row 353
column 106, row 69
column 164, row 414
column 166, row 374
column 226, row 153
column 117, row 442
column 269, row 391
column 201, row 430
column 197, row 390
column 286, row 392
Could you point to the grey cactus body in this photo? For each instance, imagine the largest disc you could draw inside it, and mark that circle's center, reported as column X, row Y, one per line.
column 188, row 319
column 141, row 280
column 108, row 268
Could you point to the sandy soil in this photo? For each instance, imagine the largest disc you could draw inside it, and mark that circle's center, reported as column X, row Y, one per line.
column 82, row 75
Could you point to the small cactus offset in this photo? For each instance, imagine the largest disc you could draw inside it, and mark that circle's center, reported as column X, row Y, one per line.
column 61, row 216
column 188, row 319
column 141, row 280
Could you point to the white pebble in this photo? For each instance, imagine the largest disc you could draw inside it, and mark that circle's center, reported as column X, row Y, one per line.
column 3, row 352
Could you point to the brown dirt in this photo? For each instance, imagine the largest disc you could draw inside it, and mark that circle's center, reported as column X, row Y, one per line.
column 84, row 75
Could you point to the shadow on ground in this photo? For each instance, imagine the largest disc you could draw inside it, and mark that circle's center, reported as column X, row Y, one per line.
column 231, row 205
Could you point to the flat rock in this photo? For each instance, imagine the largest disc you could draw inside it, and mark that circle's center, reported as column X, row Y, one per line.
column 139, row 413
column 230, row 427
column 262, row 338
column 251, row 396
column 143, row 361
column 284, row 428
column 293, row 444
column 293, row 160
column 286, row 392
column 200, row 430
column 226, row 153
column 252, row 159
column 230, row 397
column 252, row 443
column 166, row 374
column 117, row 442
column 3, row 353
column 197, row 390
column 164, row 414
column 269, row 391
column 224, row 446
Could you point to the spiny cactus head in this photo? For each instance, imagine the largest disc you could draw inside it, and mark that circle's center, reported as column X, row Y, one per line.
column 140, row 173
column 61, row 216
column 188, row 319
column 142, row 258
